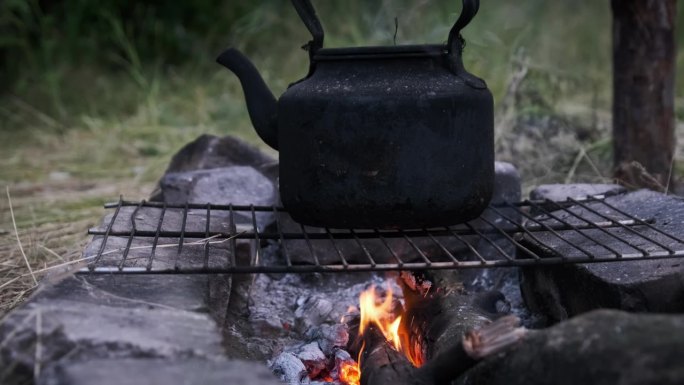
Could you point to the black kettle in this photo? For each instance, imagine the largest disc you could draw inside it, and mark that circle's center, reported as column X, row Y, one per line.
column 378, row 137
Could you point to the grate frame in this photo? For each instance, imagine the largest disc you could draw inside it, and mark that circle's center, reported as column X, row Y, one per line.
column 593, row 229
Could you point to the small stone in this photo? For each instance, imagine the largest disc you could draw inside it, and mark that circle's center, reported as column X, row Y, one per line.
column 329, row 337
column 313, row 358
column 269, row 325
column 290, row 369
column 313, row 311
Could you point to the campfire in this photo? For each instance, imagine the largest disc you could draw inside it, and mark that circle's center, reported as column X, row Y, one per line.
column 388, row 333
column 383, row 315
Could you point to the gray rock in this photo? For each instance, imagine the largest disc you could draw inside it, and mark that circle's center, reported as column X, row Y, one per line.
column 312, row 311
column 561, row 192
column 84, row 318
column 329, row 337
column 603, row 347
column 649, row 285
column 158, row 372
column 220, row 171
column 313, row 358
column 290, row 369
column 237, row 185
column 208, row 151
column 118, row 320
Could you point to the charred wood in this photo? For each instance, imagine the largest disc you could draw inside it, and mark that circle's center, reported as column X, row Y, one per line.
column 382, row 364
column 440, row 313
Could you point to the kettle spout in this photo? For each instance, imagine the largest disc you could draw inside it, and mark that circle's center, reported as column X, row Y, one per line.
column 261, row 103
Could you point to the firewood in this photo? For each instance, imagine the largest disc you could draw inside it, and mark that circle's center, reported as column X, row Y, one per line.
column 381, row 364
column 437, row 317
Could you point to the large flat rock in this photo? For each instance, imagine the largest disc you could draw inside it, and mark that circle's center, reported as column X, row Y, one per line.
column 603, row 347
column 648, row 285
column 159, row 372
column 152, row 328
column 83, row 318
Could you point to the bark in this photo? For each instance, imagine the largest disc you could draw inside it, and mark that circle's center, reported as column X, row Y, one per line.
column 436, row 318
column 381, row 364
column 451, row 331
column 644, row 55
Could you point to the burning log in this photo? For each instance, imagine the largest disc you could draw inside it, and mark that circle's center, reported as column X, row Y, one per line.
column 440, row 333
column 439, row 313
column 382, row 364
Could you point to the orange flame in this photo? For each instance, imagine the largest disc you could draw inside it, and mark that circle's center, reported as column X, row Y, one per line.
column 379, row 313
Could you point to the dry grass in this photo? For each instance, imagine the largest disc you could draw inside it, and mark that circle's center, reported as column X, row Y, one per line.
column 58, row 183
column 46, row 243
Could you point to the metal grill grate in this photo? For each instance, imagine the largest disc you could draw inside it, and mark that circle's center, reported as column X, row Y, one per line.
column 150, row 237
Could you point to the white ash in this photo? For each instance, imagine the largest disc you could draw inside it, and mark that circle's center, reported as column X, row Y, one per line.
column 313, row 359
column 292, row 314
column 312, row 311
column 290, row 369
column 329, row 337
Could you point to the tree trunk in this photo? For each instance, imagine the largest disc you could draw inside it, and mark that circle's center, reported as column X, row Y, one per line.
column 644, row 55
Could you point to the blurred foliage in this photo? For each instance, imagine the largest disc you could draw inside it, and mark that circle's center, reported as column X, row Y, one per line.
column 48, row 32
column 69, row 58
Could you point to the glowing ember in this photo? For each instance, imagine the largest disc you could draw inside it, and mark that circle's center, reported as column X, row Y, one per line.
column 350, row 373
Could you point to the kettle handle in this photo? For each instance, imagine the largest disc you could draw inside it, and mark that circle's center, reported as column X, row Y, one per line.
column 307, row 13
column 469, row 10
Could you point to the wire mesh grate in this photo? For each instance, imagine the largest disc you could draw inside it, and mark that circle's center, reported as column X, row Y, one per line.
column 153, row 237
